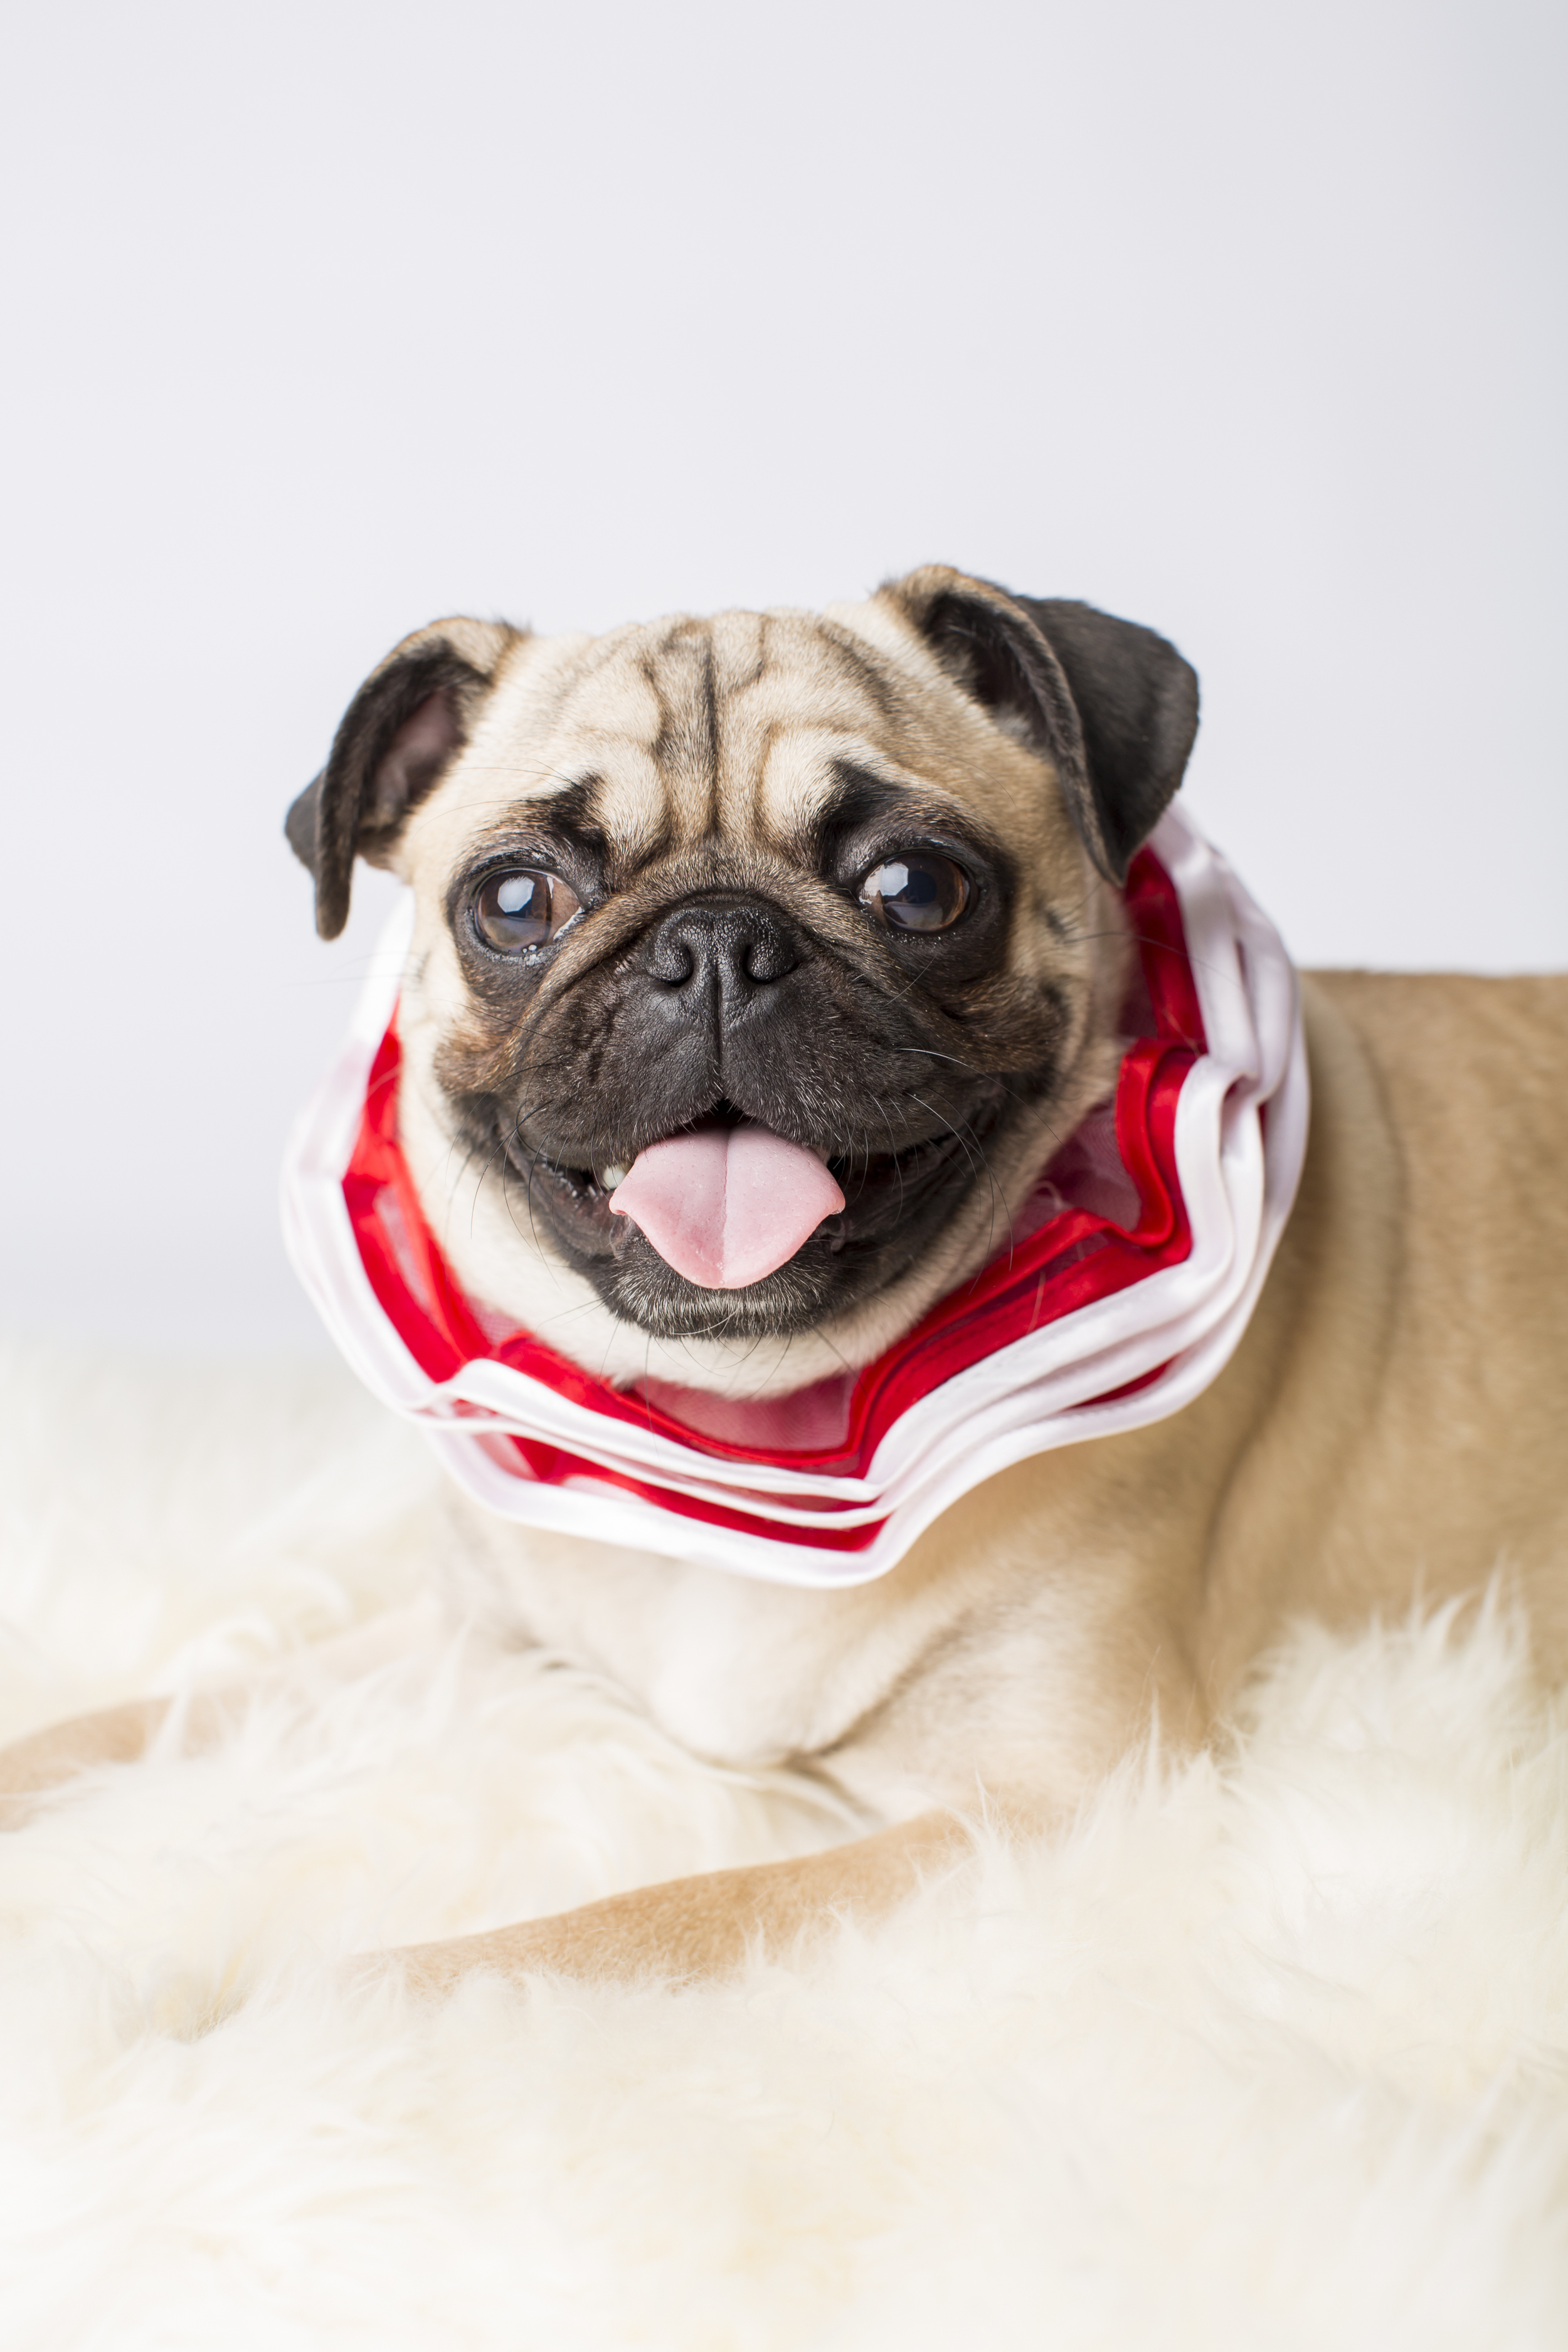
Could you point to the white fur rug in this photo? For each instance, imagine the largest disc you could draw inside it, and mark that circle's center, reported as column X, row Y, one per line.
column 1273, row 2053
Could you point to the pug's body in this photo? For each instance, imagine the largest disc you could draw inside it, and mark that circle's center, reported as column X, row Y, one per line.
column 847, row 887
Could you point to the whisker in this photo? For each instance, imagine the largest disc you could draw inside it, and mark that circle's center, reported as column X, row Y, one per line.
column 997, row 1193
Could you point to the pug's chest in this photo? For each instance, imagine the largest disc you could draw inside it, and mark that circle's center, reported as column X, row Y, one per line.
column 740, row 1673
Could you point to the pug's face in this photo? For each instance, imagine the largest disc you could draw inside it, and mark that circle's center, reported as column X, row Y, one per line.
column 830, row 902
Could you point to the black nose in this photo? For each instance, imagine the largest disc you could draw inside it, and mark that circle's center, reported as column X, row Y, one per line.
column 731, row 948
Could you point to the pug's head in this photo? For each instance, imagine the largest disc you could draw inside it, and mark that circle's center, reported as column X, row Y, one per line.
column 759, row 963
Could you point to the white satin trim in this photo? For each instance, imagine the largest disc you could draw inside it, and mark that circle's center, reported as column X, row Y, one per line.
column 1238, row 1174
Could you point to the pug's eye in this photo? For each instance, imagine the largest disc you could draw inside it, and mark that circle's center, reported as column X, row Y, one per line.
column 916, row 893
column 523, row 909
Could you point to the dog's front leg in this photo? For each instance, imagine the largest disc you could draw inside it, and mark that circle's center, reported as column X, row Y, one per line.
column 46, row 1759
column 704, row 1927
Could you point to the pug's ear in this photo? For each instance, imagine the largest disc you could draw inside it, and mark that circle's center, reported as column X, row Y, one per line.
column 397, row 736
column 1109, row 704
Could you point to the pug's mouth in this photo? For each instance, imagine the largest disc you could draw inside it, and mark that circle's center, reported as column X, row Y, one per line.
column 725, row 1227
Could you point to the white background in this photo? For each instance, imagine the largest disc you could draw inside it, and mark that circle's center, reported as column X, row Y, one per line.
column 1244, row 320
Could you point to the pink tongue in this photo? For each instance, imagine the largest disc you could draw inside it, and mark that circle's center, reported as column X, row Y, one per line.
column 727, row 1205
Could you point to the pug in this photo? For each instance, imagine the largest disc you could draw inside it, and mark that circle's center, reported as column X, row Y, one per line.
column 834, row 904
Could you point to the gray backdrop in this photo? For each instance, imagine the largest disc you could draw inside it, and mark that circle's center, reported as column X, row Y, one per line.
column 325, row 319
